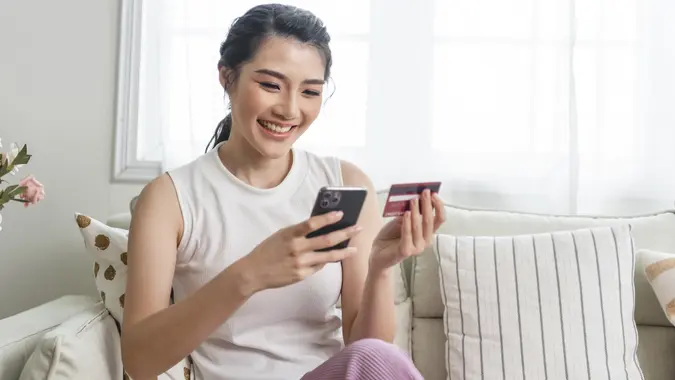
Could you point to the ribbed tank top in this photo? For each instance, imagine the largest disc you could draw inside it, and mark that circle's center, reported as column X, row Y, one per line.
column 278, row 333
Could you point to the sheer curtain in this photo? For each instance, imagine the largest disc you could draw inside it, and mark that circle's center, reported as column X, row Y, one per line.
column 555, row 106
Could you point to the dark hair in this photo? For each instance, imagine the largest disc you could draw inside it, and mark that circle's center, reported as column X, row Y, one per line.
column 250, row 30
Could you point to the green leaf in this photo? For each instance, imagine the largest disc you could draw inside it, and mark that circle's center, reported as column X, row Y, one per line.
column 22, row 158
column 10, row 193
column 18, row 190
column 4, row 165
column 9, row 189
column 3, row 197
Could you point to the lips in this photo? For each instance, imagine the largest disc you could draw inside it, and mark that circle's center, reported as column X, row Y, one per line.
column 275, row 128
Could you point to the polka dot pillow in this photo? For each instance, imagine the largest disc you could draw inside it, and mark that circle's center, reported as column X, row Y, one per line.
column 108, row 248
column 660, row 272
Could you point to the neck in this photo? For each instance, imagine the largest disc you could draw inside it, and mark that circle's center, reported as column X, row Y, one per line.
column 251, row 167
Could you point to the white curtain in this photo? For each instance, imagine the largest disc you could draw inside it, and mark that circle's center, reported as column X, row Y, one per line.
column 555, row 106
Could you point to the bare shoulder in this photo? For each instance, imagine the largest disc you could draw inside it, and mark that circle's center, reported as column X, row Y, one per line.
column 158, row 205
column 157, row 190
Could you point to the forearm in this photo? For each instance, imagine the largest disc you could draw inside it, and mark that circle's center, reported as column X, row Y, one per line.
column 161, row 340
column 376, row 317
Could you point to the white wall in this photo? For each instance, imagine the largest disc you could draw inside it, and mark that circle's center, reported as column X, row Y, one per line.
column 57, row 89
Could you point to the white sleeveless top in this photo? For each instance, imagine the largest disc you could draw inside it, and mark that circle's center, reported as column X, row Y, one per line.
column 278, row 333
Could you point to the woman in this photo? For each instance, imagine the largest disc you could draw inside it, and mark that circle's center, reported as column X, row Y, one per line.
column 253, row 297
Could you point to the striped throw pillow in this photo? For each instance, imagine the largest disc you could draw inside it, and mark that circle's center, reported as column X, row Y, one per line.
column 660, row 272
column 543, row 306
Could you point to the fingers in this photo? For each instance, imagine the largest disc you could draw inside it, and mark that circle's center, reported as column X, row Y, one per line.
column 319, row 259
column 427, row 216
column 312, row 262
column 298, row 243
column 330, row 239
column 416, row 221
column 316, row 222
column 420, row 223
column 406, row 242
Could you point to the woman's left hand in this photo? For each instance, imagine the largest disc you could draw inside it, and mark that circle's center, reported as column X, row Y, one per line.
column 409, row 234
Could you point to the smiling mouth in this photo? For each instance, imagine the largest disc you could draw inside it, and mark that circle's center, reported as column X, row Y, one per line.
column 275, row 128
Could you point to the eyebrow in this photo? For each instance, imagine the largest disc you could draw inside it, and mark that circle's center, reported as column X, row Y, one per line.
column 281, row 76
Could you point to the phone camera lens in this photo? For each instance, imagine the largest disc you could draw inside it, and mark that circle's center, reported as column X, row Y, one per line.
column 325, row 203
column 327, row 194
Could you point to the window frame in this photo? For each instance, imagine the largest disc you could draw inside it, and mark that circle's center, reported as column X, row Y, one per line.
column 127, row 168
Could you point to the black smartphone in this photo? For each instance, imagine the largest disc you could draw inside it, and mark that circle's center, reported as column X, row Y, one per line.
column 349, row 200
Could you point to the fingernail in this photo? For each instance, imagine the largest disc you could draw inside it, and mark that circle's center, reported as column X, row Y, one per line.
column 357, row 228
column 337, row 214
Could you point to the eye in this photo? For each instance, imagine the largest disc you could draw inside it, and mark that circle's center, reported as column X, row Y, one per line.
column 268, row 85
column 312, row 93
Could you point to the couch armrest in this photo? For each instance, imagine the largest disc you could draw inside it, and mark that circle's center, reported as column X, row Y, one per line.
column 20, row 333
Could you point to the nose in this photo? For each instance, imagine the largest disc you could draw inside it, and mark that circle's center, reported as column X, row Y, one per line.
column 287, row 108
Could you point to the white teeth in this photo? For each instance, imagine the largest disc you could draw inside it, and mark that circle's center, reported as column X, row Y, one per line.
column 273, row 127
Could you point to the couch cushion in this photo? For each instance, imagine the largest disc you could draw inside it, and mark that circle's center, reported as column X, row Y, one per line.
column 660, row 272
column 19, row 334
column 428, row 349
column 557, row 305
column 655, row 350
column 656, row 232
column 86, row 346
column 402, row 339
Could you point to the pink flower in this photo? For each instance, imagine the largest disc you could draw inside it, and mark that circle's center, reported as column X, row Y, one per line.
column 34, row 192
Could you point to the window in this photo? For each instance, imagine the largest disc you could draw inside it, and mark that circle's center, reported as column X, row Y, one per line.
column 559, row 100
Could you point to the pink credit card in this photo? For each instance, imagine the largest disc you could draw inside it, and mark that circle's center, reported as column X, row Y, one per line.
column 400, row 195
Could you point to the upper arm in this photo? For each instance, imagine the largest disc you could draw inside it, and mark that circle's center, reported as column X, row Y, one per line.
column 355, row 268
column 155, row 231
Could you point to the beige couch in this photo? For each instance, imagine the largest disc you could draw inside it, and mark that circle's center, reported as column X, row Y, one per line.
column 419, row 306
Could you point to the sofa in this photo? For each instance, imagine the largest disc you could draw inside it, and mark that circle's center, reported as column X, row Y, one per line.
column 420, row 330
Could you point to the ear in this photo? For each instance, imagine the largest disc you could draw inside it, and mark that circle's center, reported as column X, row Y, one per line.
column 225, row 76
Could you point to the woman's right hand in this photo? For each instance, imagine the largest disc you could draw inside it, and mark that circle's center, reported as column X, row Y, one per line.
column 288, row 256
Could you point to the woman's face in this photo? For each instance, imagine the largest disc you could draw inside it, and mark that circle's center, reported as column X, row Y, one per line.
column 277, row 95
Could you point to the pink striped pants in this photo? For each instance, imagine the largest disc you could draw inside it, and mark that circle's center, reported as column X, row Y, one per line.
column 367, row 359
